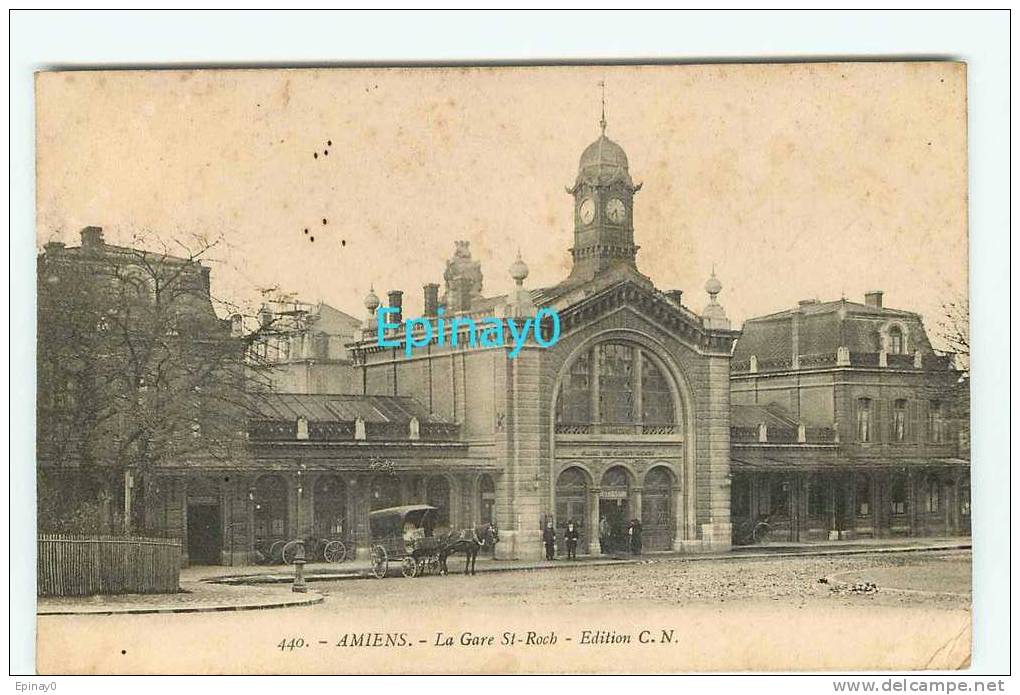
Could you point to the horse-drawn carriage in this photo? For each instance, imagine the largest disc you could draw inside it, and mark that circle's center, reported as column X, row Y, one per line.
column 284, row 550
column 405, row 534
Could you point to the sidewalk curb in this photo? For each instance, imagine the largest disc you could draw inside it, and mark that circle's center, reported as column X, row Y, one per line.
column 255, row 579
column 307, row 600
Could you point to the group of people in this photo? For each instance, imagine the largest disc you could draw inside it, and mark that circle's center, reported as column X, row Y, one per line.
column 608, row 540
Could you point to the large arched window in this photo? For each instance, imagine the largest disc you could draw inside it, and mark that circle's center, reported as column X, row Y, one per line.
column 615, row 387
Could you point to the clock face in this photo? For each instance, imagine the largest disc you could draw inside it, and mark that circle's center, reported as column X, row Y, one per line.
column 587, row 210
column 616, row 210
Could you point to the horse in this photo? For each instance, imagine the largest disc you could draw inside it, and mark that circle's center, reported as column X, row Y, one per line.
column 470, row 542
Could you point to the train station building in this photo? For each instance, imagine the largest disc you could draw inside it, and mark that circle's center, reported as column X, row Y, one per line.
column 831, row 420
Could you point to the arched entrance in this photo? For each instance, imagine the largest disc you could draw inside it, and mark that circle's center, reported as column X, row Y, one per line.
column 572, row 504
column 270, row 508
column 614, row 506
column 486, row 499
column 330, row 510
column 657, row 509
column 437, row 493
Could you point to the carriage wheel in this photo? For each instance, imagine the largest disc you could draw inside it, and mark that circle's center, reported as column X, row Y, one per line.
column 289, row 552
column 276, row 551
column 761, row 533
column 409, row 567
column 380, row 562
column 335, row 551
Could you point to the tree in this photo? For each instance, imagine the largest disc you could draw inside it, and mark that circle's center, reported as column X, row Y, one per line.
column 136, row 370
column 952, row 332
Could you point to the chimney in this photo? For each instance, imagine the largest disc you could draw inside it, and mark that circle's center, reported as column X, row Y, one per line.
column 396, row 298
column 873, row 298
column 54, row 246
column 431, row 299
column 674, row 296
column 807, row 302
column 236, row 326
column 92, row 237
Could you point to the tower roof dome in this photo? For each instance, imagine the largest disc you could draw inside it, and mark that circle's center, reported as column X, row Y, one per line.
column 603, row 162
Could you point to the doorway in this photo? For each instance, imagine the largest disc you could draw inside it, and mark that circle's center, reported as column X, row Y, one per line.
column 614, row 511
column 205, row 536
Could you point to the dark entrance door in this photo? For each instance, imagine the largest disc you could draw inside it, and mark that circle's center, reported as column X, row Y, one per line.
column 205, row 537
column 614, row 511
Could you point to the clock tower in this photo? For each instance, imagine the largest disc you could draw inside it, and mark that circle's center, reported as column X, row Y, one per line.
column 603, row 210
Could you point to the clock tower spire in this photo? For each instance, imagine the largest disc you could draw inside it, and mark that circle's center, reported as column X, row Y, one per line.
column 603, row 208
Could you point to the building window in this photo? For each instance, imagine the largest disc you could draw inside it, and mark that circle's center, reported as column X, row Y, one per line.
column 898, row 496
column 574, row 403
column 863, row 496
column 896, row 340
column 779, row 498
column 817, row 497
column 740, row 496
column 936, row 423
column 933, row 488
column 616, row 382
column 656, row 396
column 864, row 419
column 619, row 392
column 899, row 420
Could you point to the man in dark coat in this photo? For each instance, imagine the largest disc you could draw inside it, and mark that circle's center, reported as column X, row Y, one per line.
column 571, row 536
column 549, row 539
column 635, row 537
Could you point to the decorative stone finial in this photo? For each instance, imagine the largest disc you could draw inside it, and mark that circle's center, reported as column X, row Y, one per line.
column 714, row 316
column 371, row 300
column 519, row 269
column 520, row 303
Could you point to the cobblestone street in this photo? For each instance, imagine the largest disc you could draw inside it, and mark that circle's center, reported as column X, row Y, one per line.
column 759, row 614
column 791, row 581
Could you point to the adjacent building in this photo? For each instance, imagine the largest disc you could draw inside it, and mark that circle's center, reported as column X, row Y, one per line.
column 846, row 423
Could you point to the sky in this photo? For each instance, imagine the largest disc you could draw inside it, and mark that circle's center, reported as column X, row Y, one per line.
column 792, row 181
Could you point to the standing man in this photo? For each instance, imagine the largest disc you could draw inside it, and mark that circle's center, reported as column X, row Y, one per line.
column 604, row 534
column 571, row 536
column 549, row 539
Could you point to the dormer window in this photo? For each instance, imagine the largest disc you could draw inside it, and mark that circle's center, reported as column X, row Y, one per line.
column 896, row 340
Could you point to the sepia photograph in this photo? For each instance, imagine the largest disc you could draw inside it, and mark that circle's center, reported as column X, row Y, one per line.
column 584, row 368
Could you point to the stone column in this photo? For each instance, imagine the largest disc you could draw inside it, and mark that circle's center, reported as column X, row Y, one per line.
column 593, row 370
column 635, row 501
column 911, row 503
column 636, row 378
column 594, row 547
column 876, row 504
column 679, row 518
column 357, row 514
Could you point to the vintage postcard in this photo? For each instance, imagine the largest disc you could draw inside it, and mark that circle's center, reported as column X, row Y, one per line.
column 563, row 369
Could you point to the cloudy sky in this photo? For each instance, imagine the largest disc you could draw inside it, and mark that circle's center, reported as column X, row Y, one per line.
column 794, row 181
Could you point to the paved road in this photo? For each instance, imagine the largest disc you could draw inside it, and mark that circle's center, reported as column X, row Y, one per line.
column 766, row 614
